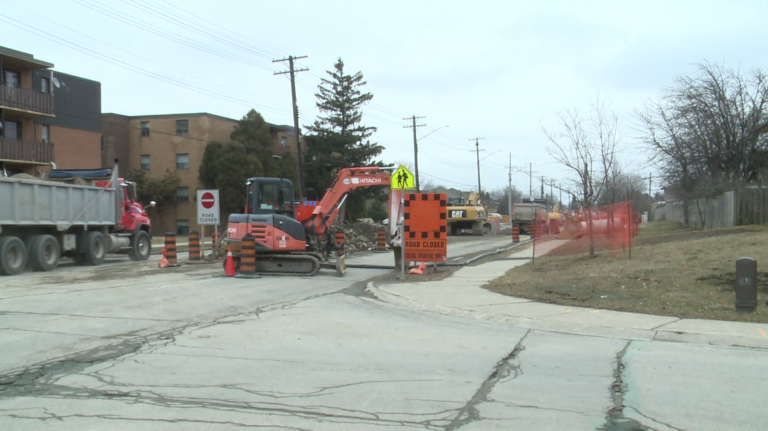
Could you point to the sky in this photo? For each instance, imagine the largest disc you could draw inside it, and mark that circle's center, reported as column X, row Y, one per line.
column 498, row 70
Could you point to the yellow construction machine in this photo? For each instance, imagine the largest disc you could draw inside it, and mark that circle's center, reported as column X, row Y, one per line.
column 471, row 215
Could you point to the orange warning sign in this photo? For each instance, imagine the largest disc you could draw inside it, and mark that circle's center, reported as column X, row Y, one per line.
column 425, row 227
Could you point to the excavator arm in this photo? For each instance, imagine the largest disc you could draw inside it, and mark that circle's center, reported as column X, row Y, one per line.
column 347, row 180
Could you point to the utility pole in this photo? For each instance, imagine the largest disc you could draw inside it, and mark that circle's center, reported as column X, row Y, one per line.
column 292, row 71
column 415, row 147
column 509, row 190
column 650, row 181
column 530, row 180
column 551, row 195
column 477, row 150
column 542, row 188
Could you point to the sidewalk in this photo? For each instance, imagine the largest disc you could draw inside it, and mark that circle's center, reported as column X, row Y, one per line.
column 462, row 294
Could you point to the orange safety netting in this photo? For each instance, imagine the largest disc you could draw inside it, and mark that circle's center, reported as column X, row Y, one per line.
column 613, row 228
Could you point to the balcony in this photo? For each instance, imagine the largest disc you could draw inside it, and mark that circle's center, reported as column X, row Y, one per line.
column 27, row 101
column 25, row 151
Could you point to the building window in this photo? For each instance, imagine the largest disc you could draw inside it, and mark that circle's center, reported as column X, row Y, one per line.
column 182, row 227
column 283, row 141
column 12, row 130
column 182, row 195
column 182, row 161
column 144, row 128
column 46, row 133
column 12, row 79
column 182, row 127
column 45, row 85
column 145, row 162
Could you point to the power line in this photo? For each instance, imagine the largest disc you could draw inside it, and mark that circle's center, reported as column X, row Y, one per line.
column 134, row 22
column 142, row 57
column 90, row 52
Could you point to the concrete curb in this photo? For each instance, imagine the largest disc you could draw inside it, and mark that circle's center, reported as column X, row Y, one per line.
column 672, row 334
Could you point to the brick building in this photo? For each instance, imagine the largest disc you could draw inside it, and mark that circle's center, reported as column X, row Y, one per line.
column 175, row 143
column 46, row 116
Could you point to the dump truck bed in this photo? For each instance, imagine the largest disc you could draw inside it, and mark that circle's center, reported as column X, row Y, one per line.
column 31, row 202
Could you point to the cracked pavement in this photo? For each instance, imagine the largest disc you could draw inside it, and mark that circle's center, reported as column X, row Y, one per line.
column 125, row 346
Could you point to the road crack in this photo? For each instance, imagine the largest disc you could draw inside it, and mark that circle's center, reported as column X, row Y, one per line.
column 503, row 370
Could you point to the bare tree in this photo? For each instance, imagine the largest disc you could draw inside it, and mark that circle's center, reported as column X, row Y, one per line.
column 701, row 132
column 587, row 147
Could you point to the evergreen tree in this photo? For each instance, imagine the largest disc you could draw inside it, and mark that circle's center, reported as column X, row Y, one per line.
column 227, row 167
column 338, row 139
column 254, row 134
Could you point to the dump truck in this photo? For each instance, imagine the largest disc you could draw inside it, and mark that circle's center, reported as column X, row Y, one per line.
column 82, row 214
column 470, row 215
column 524, row 214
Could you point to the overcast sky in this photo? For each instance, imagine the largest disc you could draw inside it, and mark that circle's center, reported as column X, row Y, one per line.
column 491, row 69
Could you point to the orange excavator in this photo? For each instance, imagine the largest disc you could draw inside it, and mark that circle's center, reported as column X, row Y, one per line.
column 291, row 245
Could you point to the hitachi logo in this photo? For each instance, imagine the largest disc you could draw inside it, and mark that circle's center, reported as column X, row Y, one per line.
column 366, row 180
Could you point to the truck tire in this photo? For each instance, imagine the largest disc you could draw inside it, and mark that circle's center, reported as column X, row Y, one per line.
column 95, row 248
column 141, row 246
column 13, row 256
column 44, row 253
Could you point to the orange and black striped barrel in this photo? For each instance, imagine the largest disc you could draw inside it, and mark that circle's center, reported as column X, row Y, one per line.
column 537, row 230
column 194, row 246
column 341, row 241
column 381, row 240
column 554, row 227
column 247, row 258
column 170, row 249
column 515, row 233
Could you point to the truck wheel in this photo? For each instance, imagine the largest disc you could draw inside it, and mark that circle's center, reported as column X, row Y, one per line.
column 44, row 253
column 13, row 256
column 95, row 248
column 141, row 246
column 79, row 258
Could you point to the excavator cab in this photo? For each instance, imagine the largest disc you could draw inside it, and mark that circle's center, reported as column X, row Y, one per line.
column 270, row 196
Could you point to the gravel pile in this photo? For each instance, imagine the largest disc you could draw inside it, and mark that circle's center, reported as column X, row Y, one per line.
column 361, row 235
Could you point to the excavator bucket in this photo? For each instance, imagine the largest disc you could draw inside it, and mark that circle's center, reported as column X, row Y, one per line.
column 341, row 266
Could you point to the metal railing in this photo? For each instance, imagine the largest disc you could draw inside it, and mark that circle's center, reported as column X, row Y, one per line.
column 26, row 100
column 17, row 149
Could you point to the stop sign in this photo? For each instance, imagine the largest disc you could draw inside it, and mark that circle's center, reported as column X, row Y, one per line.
column 208, row 200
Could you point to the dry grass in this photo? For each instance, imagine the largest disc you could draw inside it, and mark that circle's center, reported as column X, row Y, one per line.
column 674, row 271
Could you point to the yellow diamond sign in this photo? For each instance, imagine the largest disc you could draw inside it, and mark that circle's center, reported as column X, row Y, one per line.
column 403, row 179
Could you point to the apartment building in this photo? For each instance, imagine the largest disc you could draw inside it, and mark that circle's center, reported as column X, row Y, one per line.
column 46, row 116
column 173, row 143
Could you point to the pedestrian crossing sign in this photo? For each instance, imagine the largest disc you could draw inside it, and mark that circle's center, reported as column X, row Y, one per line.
column 403, row 179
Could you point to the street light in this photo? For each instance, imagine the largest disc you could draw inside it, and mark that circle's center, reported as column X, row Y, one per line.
column 416, row 152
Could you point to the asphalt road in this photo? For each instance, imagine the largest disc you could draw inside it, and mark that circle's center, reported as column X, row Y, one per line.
column 130, row 346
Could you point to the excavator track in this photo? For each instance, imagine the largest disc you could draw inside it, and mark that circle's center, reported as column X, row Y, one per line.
column 287, row 264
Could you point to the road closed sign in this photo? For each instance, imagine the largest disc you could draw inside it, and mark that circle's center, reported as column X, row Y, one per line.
column 208, row 207
column 425, row 231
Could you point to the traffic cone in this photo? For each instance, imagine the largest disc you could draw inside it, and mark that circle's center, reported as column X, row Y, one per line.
column 229, row 267
column 419, row 270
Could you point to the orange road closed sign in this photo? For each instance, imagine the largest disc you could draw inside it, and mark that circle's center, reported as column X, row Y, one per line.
column 425, row 227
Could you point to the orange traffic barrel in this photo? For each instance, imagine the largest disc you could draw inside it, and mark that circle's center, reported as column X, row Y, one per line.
column 515, row 233
column 341, row 241
column 170, row 249
column 247, row 258
column 194, row 246
column 381, row 240
column 554, row 227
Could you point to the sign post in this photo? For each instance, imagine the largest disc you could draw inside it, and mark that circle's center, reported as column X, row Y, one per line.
column 402, row 179
column 207, row 207
column 208, row 213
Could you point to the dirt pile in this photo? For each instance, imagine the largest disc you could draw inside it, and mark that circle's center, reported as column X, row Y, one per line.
column 361, row 235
